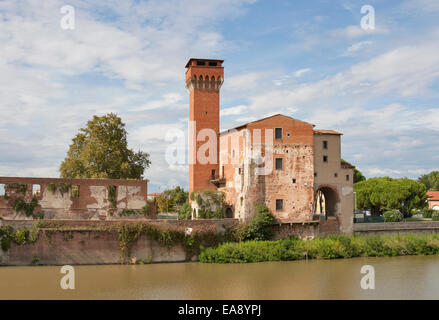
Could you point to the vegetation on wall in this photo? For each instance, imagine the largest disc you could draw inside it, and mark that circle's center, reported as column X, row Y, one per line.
column 259, row 226
column 185, row 212
column 112, row 196
column 61, row 187
column 20, row 237
column 129, row 233
column 20, row 187
column 332, row 247
column 28, row 208
column 393, row 216
column 100, row 150
column 211, row 204
column 145, row 211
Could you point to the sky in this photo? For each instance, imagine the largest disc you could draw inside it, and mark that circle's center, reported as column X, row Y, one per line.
column 310, row 60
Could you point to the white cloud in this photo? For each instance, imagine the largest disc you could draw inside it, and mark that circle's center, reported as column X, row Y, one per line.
column 301, row 72
column 234, row 110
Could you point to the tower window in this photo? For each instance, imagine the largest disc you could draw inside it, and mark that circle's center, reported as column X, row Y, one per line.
column 279, row 204
column 201, row 63
column 212, row 64
column 213, row 174
column 325, row 144
column 278, row 163
column 278, row 133
column 347, row 177
column 335, row 175
column 294, row 180
column 325, row 158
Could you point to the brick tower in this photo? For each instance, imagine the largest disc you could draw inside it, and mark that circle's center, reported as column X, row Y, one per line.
column 204, row 78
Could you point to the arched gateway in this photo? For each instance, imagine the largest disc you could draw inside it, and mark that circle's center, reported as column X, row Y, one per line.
column 326, row 201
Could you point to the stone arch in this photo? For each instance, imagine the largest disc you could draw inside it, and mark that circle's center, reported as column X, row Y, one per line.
column 229, row 212
column 201, row 83
column 327, row 201
column 207, row 85
column 212, row 83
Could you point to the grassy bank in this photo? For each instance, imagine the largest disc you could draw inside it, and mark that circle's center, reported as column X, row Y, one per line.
column 332, row 247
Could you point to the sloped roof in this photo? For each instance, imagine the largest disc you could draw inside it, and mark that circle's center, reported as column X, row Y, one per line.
column 269, row 117
column 327, row 132
column 433, row 195
column 346, row 165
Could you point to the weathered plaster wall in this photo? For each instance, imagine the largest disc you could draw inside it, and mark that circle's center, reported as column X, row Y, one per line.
column 92, row 203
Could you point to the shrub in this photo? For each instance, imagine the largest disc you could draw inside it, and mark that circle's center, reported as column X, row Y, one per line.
column 435, row 216
column 427, row 213
column 393, row 216
column 259, row 227
column 185, row 212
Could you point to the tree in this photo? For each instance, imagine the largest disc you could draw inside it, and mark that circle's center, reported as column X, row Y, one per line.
column 100, row 150
column 175, row 199
column 431, row 180
column 382, row 194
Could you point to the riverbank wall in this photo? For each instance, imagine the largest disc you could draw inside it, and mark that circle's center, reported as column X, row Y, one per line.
column 396, row 228
column 110, row 242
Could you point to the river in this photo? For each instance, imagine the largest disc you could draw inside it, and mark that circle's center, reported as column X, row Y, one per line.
column 414, row 277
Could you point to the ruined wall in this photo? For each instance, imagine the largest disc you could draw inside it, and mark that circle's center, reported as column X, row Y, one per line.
column 293, row 183
column 81, row 198
column 84, row 243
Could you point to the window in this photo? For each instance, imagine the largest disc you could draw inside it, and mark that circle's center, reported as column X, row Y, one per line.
column 278, row 133
column 239, row 170
column 75, row 191
column 36, row 190
column 288, row 135
column 201, row 63
column 278, row 163
column 212, row 64
column 325, row 158
column 347, row 177
column 294, row 180
column 335, row 175
column 325, row 144
column 213, row 174
column 2, row 190
column 315, row 174
column 279, row 204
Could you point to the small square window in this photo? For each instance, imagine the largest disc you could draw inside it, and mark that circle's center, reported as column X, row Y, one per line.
column 347, row 177
column 294, row 180
column 315, row 174
column 75, row 191
column 325, row 158
column 212, row 64
column 278, row 163
column 278, row 133
column 335, row 175
column 201, row 63
column 279, row 204
column 36, row 190
column 325, row 144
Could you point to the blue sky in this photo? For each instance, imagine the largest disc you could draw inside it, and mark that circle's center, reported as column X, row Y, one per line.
column 307, row 59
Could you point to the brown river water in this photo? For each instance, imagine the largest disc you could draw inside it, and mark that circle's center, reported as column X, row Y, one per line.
column 415, row 277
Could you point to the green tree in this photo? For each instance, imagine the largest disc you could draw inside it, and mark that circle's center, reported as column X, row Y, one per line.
column 431, row 180
column 100, row 150
column 175, row 197
column 383, row 194
column 184, row 213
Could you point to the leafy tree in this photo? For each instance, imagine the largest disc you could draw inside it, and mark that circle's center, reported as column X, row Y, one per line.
column 431, row 180
column 176, row 198
column 383, row 194
column 260, row 226
column 100, row 150
column 184, row 213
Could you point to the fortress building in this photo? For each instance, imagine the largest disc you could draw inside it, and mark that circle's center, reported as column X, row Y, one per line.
column 282, row 162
